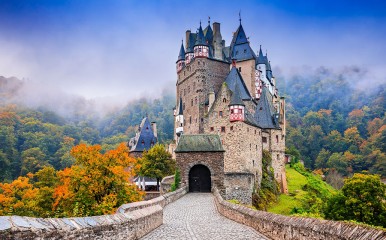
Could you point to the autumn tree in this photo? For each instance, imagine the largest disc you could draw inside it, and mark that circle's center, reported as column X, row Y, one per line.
column 156, row 163
column 97, row 183
column 362, row 199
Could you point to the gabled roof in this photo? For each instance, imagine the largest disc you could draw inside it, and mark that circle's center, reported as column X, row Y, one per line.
column 200, row 39
column 234, row 78
column 264, row 115
column 199, row 143
column 236, row 98
column 145, row 138
column 179, row 109
column 181, row 55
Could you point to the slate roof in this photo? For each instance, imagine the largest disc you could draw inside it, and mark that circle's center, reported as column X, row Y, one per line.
column 264, row 115
column 240, row 48
column 236, row 98
column 200, row 39
column 260, row 58
column 234, row 78
column 208, row 32
column 145, row 138
column 181, row 55
column 199, row 143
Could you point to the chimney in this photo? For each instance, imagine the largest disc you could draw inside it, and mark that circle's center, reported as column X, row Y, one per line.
column 187, row 38
column 216, row 28
column 154, row 127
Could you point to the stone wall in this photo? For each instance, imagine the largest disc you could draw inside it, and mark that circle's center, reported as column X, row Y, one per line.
column 132, row 221
column 279, row 227
column 166, row 184
column 239, row 186
column 214, row 161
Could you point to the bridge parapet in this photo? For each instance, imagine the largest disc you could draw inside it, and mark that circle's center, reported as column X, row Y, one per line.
column 131, row 221
column 279, row 227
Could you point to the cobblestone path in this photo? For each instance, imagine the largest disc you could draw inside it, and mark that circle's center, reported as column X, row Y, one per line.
column 194, row 216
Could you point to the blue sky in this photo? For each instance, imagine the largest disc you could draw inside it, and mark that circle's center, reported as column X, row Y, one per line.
column 128, row 48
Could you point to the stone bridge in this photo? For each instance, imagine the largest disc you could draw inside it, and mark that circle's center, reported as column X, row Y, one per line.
column 179, row 216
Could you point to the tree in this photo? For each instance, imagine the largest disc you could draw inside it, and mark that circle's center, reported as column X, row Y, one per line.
column 33, row 160
column 337, row 161
column 362, row 198
column 156, row 163
column 97, row 183
column 321, row 160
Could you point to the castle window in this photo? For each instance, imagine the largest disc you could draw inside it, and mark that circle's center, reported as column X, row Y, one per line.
column 192, row 102
column 224, row 100
column 245, row 50
column 220, row 113
column 277, row 138
column 232, row 111
column 211, row 129
column 202, row 120
column 199, row 61
column 143, row 142
column 183, row 106
column 277, row 156
column 184, row 73
column 190, row 120
column 255, row 131
column 239, row 69
column 231, row 128
column 223, row 129
column 196, row 120
column 264, row 139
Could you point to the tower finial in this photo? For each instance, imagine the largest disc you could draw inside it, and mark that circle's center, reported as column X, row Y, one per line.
column 208, row 20
column 200, row 22
column 240, row 16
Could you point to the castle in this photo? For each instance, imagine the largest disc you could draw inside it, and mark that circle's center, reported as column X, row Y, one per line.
column 228, row 109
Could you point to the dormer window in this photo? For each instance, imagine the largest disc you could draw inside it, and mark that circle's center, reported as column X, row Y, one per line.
column 143, row 142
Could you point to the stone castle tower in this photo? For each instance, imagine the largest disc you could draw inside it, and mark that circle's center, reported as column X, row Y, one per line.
column 228, row 110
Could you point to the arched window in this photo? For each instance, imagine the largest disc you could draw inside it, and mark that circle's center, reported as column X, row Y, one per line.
column 224, row 100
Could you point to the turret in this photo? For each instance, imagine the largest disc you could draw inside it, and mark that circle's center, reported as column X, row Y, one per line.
column 201, row 49
column 181, row 58
column 236, row 106
column 179, row 119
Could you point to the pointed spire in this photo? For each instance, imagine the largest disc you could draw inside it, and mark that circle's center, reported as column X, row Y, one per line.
column 240, row 17
column 261, row 59
column 236, row 97
column 200, row 37
column 181, row 56
column 209, row 20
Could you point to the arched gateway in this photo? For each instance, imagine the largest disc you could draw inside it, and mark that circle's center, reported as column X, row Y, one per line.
column 199, row 179
column 200, row 158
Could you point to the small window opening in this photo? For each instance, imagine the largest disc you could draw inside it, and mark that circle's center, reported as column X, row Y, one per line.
column 223, row 129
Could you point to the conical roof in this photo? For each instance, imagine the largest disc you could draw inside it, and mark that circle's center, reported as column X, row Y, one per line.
column 236, row 98
column 260, row 58
column 264, row 111
column 145, row 139
column 181, row 55
column 191, row 42
column 200, row 40
column 208, row 33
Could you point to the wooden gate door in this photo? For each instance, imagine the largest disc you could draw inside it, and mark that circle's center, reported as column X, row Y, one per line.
column 199, row 179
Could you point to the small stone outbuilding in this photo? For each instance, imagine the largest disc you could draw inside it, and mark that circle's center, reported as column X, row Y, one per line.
column 200, row 158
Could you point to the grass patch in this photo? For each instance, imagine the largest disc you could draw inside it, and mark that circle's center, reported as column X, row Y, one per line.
column 286, row 203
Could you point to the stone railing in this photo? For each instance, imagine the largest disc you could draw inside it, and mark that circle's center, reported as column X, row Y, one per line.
column 132, row 221
column 277, row 226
